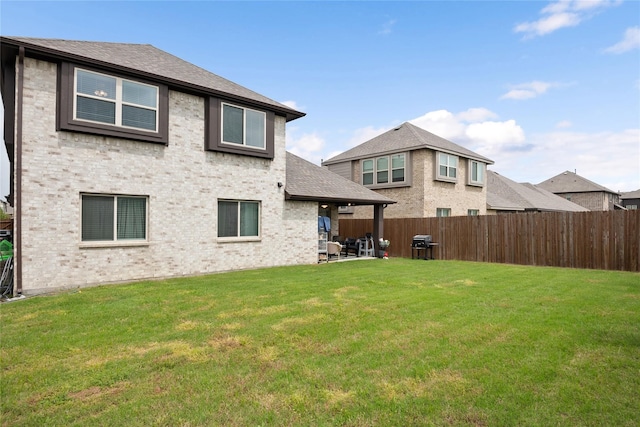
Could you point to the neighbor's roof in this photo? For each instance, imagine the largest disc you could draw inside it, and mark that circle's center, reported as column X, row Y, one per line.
column 505, row 194
column 306, row 181
column 630, row 195
column 405, row 137
column 570, row 182
column 147, row 61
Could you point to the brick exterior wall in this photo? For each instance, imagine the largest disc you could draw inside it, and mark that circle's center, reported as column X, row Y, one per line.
column 425, row 194
column 182, row 182
column 594, row 201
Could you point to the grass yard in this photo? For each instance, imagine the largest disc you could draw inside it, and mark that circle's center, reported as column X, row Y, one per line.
column 394, row 342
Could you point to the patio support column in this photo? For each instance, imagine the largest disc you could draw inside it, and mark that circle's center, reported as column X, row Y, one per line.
column 378, row 224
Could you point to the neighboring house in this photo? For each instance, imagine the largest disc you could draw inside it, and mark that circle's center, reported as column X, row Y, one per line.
column 6, row 208
column 128, row 163
column 583, row 192
column 427, row 175
column 631, row 199
column 507, row 196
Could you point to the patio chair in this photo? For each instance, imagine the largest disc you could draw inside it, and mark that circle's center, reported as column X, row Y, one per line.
column 366, row 246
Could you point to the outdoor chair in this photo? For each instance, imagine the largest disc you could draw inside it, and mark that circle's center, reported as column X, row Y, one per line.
column 350, row 244
column 366, row 246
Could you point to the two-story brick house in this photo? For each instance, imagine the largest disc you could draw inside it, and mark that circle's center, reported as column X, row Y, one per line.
column 582, row 191
column 128, row 163
column 427, row 175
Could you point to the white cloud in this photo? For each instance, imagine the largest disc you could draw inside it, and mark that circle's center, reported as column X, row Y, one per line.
column 473, row 130
column 364, row 134
column 607, row 158
column 442, row 123
column 563, row 124
column 476, row 115
column 291, row 104
column 630, row 41
column 308, row 146
column 563, row 14
column 528, row 90
column 387, row 27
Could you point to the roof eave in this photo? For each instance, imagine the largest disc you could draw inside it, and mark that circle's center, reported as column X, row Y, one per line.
column 420, row 147
column 337, row 201
column 289, row 114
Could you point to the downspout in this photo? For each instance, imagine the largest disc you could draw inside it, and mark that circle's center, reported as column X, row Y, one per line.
column 17, row 232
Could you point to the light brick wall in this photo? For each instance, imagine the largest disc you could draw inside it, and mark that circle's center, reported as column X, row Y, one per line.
column 425, row 195
column 594, row 201
column 182, row 181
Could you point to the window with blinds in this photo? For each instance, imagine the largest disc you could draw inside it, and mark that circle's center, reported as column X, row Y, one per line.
column 115, row 101
column 113, row 218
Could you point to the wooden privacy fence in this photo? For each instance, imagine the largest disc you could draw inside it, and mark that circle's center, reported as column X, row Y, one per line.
column 599, row 240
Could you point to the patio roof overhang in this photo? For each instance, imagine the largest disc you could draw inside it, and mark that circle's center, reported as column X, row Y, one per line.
column 309, row 182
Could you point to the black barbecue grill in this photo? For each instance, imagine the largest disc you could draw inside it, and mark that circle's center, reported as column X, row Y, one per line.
column 422, row 242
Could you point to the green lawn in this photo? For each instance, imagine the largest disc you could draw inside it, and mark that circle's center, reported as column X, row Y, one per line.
column 394, row 342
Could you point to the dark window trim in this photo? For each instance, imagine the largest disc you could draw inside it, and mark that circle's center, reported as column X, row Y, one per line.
column 213, row 125
column 65, row 120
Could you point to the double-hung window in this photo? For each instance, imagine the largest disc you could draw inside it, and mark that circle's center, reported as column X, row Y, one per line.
column 384, row 170
column 238, row 218
column 115, row 101
column 476, row 172
column 243, row 126
column 447, row 167
column 107, row 218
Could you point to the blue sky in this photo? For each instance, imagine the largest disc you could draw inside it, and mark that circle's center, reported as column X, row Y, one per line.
column 538, row 87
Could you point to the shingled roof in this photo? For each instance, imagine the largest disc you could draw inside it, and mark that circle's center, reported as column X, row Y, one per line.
column 306, row 181
column 570, row 182
column 149, row 62
column 505, row 194
column 406, row 137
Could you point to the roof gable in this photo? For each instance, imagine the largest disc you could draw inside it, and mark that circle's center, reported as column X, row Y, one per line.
column 505, row 194
column 147, row 61
column 406, row 137
column 570, row 182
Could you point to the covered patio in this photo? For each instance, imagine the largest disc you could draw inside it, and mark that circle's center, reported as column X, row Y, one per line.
column 309, row 182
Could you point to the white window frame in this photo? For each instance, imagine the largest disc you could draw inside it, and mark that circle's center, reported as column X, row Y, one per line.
column 448, row 165
column 443, row 212
column 118, row 101
column 473, row 212
column 244, row 127
column 389, row 170
column 238, row 237
column 481, row 170
column 115, row 241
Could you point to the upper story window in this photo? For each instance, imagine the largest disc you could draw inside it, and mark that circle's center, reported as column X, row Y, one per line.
column 443, row 212
column 384, row 170
column 239, row 129
column 447, row 169
column 476, row 172
column 124, row 103
column 243, row 126
column 96, row 102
